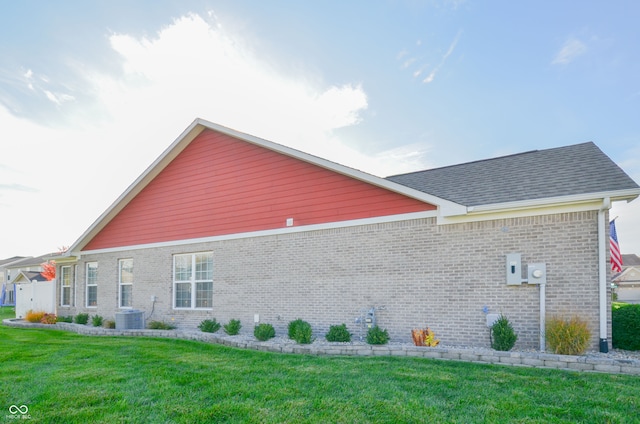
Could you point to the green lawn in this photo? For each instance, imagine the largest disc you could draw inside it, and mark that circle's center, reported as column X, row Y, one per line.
column 68, row 378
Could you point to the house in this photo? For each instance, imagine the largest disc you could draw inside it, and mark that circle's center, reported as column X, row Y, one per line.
column 628, row 280
column 226, row 225
column 7, row 290
column 19, row 266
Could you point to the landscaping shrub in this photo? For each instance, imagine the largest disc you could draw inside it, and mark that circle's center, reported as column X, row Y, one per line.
column 300, row 331
column 65, row 318
column 338, row 333
column 503, row 337
column 82, row 319
column 49, row 319
column 626, row 326
column 209, row 326
column 377, row 336
column 96, row 320
column 424, row 337
column 160, row 325
column 264, row 332
column 34, row 316
column 233, row 327
column 109, row 324
column 567, row 336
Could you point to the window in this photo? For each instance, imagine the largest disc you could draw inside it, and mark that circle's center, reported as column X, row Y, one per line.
column 91, row 278
column 65, row 286
column 125, row 281
column 193, row 281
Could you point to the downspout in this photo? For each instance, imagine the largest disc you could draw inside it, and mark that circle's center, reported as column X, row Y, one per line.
column 602, row 273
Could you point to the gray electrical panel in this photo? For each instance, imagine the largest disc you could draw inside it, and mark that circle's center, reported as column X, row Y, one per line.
column 537, row 273
column 514, row 269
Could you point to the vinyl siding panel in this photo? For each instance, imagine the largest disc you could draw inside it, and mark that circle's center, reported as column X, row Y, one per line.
column 221, row 185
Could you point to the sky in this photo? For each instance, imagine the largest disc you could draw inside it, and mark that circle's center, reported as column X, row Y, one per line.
column 92, row 92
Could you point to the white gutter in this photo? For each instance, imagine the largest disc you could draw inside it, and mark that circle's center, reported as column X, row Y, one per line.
column 602, row 273
column 628, row 195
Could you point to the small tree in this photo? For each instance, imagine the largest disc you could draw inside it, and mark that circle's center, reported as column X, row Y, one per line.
column 48, row 270
column 503, row 335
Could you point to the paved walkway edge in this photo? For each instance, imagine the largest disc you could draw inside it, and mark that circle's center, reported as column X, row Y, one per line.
column 478, row 355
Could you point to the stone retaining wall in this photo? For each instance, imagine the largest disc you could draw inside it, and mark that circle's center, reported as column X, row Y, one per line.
column 478, row 355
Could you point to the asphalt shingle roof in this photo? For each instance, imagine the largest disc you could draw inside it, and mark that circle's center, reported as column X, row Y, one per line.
column 630, row 260
column 562, row 171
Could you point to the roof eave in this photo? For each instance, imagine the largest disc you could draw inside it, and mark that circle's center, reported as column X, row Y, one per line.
column 612, row 196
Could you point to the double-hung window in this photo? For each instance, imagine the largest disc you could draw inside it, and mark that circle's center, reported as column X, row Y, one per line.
column 91, row 277
column 193, row 281
column 65, row 286
column 125, row 282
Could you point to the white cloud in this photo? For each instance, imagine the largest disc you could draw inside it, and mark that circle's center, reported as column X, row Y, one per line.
column 432, row 75
column 191, row 68
column 570, row 50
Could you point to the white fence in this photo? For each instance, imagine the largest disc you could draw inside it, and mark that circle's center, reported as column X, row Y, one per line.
column 36, row 296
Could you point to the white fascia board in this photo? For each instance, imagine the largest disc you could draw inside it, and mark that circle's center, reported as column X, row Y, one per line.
column 272, row 232
column 336, row 167
column 170, row 153
column 627, row 195
column 545, row 206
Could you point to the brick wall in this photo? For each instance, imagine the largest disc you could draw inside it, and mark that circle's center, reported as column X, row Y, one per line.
column 416, row 272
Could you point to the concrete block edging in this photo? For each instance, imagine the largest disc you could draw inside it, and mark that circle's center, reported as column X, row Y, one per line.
column 475, row 355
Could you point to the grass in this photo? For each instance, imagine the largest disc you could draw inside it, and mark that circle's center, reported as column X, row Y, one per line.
column 68, row 378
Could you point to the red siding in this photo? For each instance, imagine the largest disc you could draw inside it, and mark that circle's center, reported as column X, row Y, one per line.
column 221, row 185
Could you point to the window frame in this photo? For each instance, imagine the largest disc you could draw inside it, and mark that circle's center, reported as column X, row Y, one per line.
column 122, row 285
column 91, row 282
column 65, row 278
column 188, row 280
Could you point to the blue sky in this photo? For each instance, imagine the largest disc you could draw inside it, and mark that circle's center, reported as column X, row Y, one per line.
column 91, row 92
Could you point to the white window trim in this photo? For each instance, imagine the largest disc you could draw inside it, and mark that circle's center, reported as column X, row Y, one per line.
column 87, row 285
column 63, row 286
column 75, row 284
column 191, row 281
column 121, row 284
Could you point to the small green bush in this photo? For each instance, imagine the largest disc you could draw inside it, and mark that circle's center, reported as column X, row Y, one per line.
column 232, row 327
column 160, row 325
column 377, row 336
column 96, row 320
column 209, row 326
column 300, row 331
column 567, row 336
column 65, row 318
column 338, row 333
column 264, row 332
column 625, row 326
column 81, row 318
column 503, row 336
column 109, row 324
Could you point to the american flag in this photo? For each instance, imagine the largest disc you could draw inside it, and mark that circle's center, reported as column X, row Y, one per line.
column 616, row 257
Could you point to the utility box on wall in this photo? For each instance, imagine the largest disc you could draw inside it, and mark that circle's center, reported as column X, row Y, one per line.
column 537, row 273
column 514, row 269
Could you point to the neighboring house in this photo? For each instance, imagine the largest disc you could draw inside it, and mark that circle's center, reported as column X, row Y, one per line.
column 29, row 277
column 25, row 264
column 628, row 281
column 226, row 225
column 7, row 290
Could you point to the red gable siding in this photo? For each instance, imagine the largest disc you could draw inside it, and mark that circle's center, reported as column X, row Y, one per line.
column 221, row 185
